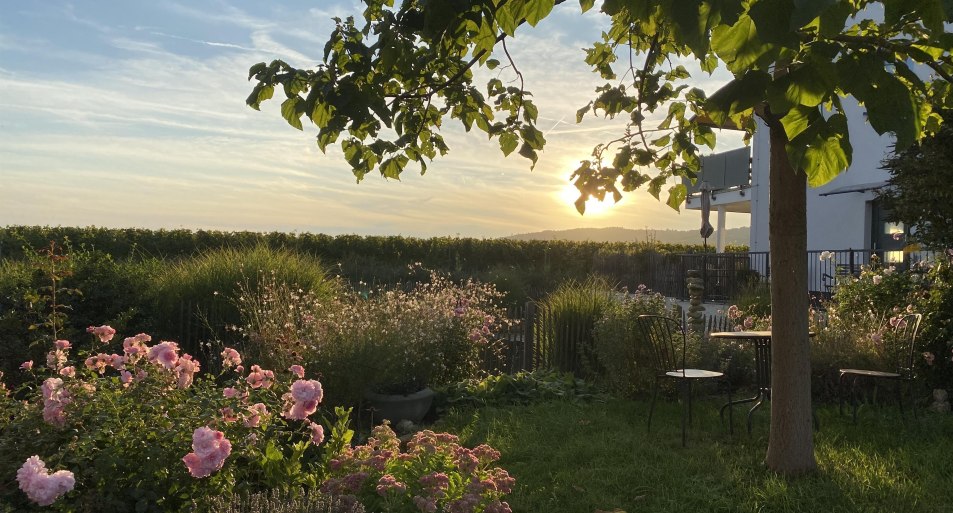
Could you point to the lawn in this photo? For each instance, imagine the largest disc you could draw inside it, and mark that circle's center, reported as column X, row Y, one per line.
column 587, row 457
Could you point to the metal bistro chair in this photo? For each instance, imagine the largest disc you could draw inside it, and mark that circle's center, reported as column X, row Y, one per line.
column 662, row 334
column 905, row 332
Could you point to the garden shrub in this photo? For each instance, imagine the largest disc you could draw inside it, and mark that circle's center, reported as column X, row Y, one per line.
column 204, row 287
column 624, row 357
column 519, row 388
column 566, row 319
column 393, row 340
column 120, row 426
column 283, row 501
column 435, row 474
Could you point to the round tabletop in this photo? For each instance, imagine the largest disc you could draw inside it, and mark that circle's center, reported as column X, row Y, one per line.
column 747, row 335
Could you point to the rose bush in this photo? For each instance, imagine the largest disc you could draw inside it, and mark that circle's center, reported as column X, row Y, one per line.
column 137, row 428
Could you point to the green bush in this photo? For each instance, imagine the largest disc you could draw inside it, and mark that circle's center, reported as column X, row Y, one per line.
column 623, row 355
column 519, row 388
column 565, row 322
column 200, row 293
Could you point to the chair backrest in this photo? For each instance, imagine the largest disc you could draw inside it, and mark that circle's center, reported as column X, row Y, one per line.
column 906, row 327
column 662, row 334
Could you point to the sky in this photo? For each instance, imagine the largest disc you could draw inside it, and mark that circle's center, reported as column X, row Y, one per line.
column 132, row 114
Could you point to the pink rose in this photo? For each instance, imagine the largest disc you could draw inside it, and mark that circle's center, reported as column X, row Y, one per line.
column 230, row 392
column 297, row 370
column 62, row 344
column 317, row 433
column 210, row 448
column 231, row 358
column 105, row 333
column 39, row 485
column 68, row 372
column 27, row 365
column 164, row 354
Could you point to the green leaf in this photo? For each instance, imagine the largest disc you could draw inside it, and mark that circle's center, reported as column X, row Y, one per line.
column 824, row 151
column 289, row 111
column 508, row 143
column 586, row 4
column 321, row 115
column 259, row 94
column 536, row 10
column 739, row 45
column 738, row 97
column 798, row 119
column 806, row 11
column 807, row 85
column 492, row 63
column 391, row 168
column 256, row 69
column 528, row 152
column 582, row 112
column 676, row 195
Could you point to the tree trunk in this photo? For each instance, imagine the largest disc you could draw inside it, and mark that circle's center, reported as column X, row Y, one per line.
column 791, row 441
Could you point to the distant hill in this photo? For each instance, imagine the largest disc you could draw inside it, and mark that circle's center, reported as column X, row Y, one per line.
column 733, row 236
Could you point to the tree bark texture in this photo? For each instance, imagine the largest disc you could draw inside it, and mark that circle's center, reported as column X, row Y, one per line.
column 791, row 441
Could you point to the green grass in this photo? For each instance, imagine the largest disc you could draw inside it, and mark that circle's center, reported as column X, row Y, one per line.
column 576, row 457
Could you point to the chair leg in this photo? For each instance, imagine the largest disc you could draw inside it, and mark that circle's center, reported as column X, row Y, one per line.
column 900, row 398
column 840, row 393
column 690, row 423
column 913, row 398
column 853, row 397
column 652, row 406
column 686, row 412
column 731, row 419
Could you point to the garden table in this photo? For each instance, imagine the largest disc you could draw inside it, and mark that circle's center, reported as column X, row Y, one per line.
column 762, row 366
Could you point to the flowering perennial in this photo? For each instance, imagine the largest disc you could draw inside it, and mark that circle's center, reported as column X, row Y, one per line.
column 210, row 448
column 39, row 485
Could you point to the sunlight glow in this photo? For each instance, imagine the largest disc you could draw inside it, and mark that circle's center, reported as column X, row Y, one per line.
column 594, row 208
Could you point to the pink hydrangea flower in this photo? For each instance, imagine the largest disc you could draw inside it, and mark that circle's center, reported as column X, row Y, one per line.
column 39, row 485
column 210, row 448
column 27, row 365
column 105, row 333
column 297, row 370
column 165, row 354
column 231, row 358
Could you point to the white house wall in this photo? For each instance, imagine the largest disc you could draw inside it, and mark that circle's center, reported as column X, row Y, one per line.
column 839, row 221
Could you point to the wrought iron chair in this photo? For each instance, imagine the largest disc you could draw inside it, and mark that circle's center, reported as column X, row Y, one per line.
column 663, row 333
column 905, row 332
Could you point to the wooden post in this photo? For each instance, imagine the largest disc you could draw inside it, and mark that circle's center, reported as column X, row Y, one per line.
column 529, row 337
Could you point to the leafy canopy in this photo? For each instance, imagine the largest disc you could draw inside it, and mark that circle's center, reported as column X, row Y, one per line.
column 391, row 78
column 920, row 184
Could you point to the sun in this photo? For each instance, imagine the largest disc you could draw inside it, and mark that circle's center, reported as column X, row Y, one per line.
column 594, row 208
